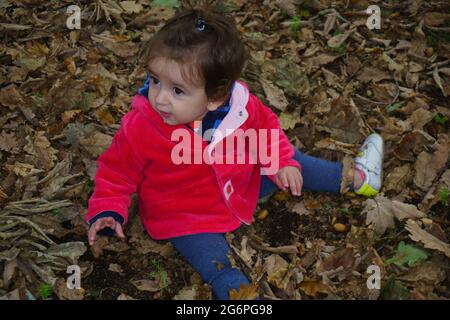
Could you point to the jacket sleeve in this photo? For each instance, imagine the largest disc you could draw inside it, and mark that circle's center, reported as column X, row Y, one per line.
column 119, row 173
column 276, row 149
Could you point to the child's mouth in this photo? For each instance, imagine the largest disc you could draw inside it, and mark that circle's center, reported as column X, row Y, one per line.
column 164, row 114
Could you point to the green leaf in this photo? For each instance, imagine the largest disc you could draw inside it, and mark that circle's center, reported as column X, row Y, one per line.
column 394, row 290
column 394, row 106
column 45, row 290
column 167, row 3
column 407, row 254
column 444, row 194
column 295, row 24
column 440, row 119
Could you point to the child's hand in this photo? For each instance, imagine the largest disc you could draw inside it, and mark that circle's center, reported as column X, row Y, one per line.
column 103, row 223
column 290, row 177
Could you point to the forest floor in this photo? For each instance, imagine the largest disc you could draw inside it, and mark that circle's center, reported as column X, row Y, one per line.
column 331, row 80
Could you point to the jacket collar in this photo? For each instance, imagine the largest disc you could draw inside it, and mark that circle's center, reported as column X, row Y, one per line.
column 236, row 116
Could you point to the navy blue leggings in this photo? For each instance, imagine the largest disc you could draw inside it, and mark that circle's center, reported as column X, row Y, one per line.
column 207, row 252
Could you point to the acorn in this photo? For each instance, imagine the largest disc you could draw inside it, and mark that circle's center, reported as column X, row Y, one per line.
column 340, row 227
column 263, row 214
column 429, row 51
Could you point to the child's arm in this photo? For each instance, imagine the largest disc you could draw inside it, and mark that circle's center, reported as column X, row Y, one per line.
column 119, row 173
column 282, row 169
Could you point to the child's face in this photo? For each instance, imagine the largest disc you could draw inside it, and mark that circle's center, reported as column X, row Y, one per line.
column 176, row 100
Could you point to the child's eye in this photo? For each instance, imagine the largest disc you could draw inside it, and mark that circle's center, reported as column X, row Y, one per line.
column 178, row 91
column 155, row 81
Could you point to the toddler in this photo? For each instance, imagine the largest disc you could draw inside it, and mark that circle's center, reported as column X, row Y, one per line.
column 173, row 149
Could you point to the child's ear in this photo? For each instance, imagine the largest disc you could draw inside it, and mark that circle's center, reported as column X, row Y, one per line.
column 213, row 105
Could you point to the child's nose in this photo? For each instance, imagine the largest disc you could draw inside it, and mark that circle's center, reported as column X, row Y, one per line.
column 162, row 97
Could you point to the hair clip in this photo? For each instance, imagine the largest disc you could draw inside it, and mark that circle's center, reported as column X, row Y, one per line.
column 201, row 25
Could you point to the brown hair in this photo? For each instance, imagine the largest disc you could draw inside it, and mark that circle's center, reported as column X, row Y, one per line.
column 208, row 45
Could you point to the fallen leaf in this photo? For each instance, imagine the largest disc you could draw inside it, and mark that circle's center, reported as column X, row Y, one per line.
column 8, row 142
column 276, row 268
column 339, row 39
column 428, row 240
column 341, row 258
column 407, row 254
column 244, row 293
column 96, row 144
column 398, row 178
column 115, row 268
column 428, row 165
column 312, row 287
column 289, row 120
column 274, row 95
column 124, row 296
column 372, row 74
column 65, row 293
column 381, row 212
column 147, row 285
column 131, row 6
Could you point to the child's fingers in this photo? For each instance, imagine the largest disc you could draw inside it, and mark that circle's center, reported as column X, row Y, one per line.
column 293, row 185
column 284, row 181
column 279, row 183
column 119, row 230
column 91, row 235
column 299, row 183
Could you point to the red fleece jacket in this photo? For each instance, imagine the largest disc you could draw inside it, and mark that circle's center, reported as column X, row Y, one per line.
column 182, row 199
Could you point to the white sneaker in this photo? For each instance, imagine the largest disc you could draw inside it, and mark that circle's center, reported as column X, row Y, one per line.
column 370, row 161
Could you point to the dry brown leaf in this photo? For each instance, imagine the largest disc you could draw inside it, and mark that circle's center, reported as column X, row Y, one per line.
column 339, row 39
column 147, row 285
column 428, row 165
column 398, row 178
column 341, row 258
column 96, row 144
column 289, row 120
column 319, row 60
column 428, row 240
column 421, row 117
column 124, row 296
column 245, row 292
column 428, row 272
column 67, row 116
column 372, row 74
column 313, row 288
column 274, row 95
column 299, row 208
column 381, row 212
column 131, row 7
column 276, row 268
column 432, row 19
column 344, row 122
column 331, row 144
column 419, row 41
column 65, row 293
column 411, row 144
column 8, row 142
column 104, row 116
column 40, row 147
column 11, row 97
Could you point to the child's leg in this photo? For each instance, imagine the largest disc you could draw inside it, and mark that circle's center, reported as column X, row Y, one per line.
column 362, row 174
column 207, row 254
column 318, row 175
